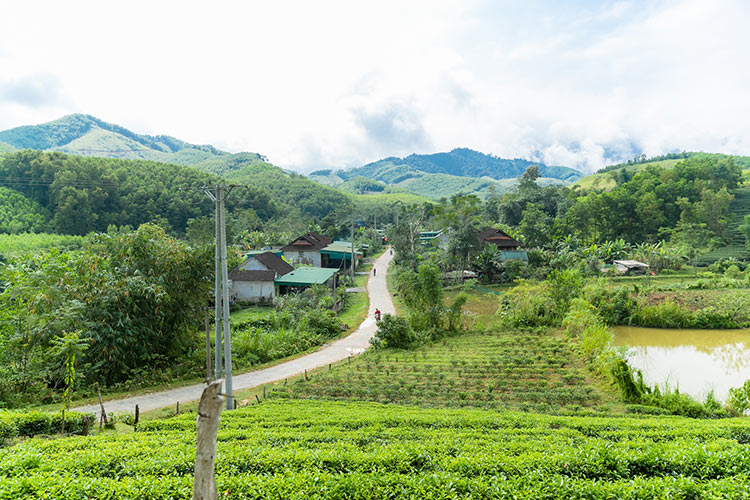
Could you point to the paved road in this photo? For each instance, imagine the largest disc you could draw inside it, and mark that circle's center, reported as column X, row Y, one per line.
column 340, row 349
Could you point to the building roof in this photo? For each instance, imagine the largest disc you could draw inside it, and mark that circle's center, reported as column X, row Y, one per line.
column 274, row 263
column 306, row 276
column 497, row 237
column 429, row 235
column 307, row 242
column 273, row 250
column 245, row 275
column 341, row 247
column 630, row 264
column 506, row 255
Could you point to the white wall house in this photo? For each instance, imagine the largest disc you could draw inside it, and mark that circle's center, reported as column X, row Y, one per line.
column 297, row 258
column 253, row 280
column 252, row 286
column 305, row 250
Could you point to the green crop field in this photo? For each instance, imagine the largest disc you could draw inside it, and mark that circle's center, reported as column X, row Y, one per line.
column 530, row 370
column 739, row 207
column 15, row 244
column 320, row 450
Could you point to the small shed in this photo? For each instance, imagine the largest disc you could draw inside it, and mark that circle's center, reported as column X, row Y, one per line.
column 630, row 267
column 506, row 255
column 338, row 255
column 305, row 277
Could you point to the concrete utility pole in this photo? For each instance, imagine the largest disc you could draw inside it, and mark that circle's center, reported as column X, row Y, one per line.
column 221, row 292
column 352, row 250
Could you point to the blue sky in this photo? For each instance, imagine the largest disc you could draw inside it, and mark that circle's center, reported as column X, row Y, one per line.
column 341, row 83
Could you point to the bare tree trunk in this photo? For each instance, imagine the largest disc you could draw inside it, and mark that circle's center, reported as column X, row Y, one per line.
column 209, row 415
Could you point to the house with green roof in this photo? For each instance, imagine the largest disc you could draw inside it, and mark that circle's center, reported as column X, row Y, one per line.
column 305, row 277
column 338, row 255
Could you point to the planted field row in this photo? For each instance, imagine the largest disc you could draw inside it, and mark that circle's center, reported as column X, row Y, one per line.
column 298, row 449
column 493, row 369
column 32, row 423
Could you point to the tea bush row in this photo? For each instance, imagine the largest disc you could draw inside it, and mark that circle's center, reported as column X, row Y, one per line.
column 31, row 423
column 296, row 449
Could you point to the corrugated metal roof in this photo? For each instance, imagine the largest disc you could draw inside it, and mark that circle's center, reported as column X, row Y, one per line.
column 311, row 239
column 514, row 255
column 274, row 263
column 341, row 247
column 245, row 275
column 251, row 253
column 305, row 276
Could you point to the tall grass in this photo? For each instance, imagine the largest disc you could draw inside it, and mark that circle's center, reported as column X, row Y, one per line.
column 17, row 244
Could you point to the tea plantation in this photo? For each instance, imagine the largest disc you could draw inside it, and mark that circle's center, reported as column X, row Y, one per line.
column 533, row 370
column 321, row 449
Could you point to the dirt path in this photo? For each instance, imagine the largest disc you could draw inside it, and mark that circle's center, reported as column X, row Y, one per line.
column 340, row 349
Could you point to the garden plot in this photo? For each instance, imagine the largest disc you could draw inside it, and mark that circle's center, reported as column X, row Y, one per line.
column 528, row 370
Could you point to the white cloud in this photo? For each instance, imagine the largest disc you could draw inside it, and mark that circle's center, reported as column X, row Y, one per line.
column 339, row 83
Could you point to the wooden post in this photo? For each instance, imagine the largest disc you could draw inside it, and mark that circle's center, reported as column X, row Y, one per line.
column 137, row 417
column 257, row 399
column 103, row 417
column 209, row 415
column 306, row 375
column 177, row 410
column 264, row 392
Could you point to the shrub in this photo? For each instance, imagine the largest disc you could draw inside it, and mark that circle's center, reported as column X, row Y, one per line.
column 393, row 331
column 615, row 307
column 32, row 423
column 527, row 305
column 739, row 399
column 564, row 286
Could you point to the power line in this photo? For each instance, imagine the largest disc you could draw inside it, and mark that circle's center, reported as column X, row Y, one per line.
column 37, row 182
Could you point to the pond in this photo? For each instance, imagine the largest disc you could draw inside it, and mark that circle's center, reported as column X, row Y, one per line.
column 695, row 361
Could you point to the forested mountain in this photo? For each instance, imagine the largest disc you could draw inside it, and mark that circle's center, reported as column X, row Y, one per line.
column 52, row 191
column 609, row 177
column 444, row 174
column 86, row 135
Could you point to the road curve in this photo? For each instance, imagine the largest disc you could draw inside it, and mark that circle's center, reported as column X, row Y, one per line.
column 338, row 350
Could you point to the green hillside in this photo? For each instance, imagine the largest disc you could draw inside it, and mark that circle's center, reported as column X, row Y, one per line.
column 608, row 177
column 442, row 175
column 89, row 136
column 463, row 162
column 735, row 240
column 75, row 194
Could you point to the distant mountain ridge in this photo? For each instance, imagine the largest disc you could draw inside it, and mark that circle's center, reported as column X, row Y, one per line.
column 86, row 135
column 443, row 174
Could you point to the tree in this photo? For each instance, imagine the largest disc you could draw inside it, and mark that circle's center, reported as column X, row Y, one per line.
column 535, row 226
column 527, row 182
column 405, row 236
column 487, row 263
column 459, row 218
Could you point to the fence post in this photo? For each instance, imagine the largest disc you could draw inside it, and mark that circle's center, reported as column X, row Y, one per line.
column 137, row 417
column 209, row 415
column 103, row 417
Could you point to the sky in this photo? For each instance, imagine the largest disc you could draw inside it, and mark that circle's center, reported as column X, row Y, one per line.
column 338, row 84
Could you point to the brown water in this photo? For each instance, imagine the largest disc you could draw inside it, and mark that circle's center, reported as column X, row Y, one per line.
column 695, row 361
